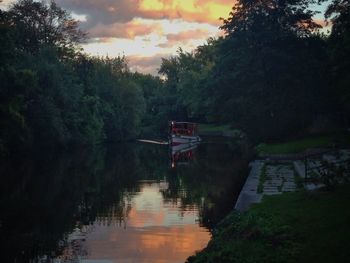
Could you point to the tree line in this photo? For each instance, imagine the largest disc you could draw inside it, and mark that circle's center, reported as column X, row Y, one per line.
column 273, row 74
column 53, row 94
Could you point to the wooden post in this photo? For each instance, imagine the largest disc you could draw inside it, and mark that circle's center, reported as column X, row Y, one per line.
column 305, row 163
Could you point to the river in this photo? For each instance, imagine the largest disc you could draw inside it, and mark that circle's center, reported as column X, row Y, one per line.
column 132, row 202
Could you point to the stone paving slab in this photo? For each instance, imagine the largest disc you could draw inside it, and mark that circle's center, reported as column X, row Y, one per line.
column 280, row 177
column 272, row 193
column 273, row 181
column 289, row 186
column 268, row 184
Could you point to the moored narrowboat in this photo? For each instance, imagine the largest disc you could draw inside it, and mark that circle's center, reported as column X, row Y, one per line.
column 183, row 132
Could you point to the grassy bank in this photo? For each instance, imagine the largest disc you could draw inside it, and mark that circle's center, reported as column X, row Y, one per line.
column 296, row 146
column 293, row 227
column 218, row 130
column 214, row 128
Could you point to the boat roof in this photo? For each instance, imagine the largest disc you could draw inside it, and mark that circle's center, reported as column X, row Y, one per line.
column 184, row 122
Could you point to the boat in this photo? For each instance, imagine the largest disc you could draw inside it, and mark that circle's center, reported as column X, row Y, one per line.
column 183, row 133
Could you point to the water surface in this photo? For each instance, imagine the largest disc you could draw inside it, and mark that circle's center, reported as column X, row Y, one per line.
column 126, row 203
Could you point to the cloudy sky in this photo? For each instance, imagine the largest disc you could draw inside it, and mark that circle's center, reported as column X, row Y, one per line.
column 146, row 30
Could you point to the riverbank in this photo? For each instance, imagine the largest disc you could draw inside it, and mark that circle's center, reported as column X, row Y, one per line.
column 224, row 130
column 303, row 144
column 273, row 223
column 292, row 227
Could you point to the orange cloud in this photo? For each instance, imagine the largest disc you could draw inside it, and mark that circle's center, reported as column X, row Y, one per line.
column 145, row 38
column 108, row 12
column 145, row 30
column 202, row 11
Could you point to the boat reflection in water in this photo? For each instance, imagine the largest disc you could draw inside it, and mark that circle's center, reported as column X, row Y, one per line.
column 183, row 140
column 182, row 154
column 116, row 204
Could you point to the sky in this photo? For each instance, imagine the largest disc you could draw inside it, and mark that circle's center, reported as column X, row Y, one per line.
column 146, row 30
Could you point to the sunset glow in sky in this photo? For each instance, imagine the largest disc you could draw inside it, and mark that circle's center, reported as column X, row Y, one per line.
column 146, row 30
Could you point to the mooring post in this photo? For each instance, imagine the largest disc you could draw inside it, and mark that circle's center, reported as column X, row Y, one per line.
column 305, row 163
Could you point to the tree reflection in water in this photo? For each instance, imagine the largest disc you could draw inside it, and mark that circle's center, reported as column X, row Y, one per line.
column 52, row 203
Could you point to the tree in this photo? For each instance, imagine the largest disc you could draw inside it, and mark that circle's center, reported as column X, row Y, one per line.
column 151, row 88
column 38, row 24
column 50, row 93
column 170, row 106
column 338, row 13
column 268, row 68
column 186, row 82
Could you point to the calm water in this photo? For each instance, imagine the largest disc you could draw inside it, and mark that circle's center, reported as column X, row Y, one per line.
column 127, row 203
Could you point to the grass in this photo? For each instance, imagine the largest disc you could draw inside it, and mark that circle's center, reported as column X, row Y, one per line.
column 262, row 179
column 299, row 182
column 292, row 227
column 215, row 128
column 301, row 145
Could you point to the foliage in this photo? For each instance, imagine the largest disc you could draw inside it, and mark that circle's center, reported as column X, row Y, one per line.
column 338, row 13
column 38, row 24
column 51, row 94
column 281, row 230
column 186, row 77
column 333, row 174
column 267, row 69
column 300, row 145
column 271, row 75
column 211, row 128
column 268, row 76
column 262, row 179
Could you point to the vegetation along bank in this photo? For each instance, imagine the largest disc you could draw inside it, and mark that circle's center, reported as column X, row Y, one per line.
column 292, row 227
column 273, row 74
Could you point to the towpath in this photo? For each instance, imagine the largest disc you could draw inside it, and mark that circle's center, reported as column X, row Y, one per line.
column 275, row 176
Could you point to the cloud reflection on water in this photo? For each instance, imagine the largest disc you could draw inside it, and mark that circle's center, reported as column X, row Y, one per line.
column 151, row 230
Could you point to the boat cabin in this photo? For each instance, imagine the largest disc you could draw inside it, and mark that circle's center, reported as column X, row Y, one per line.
column 183, row 128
